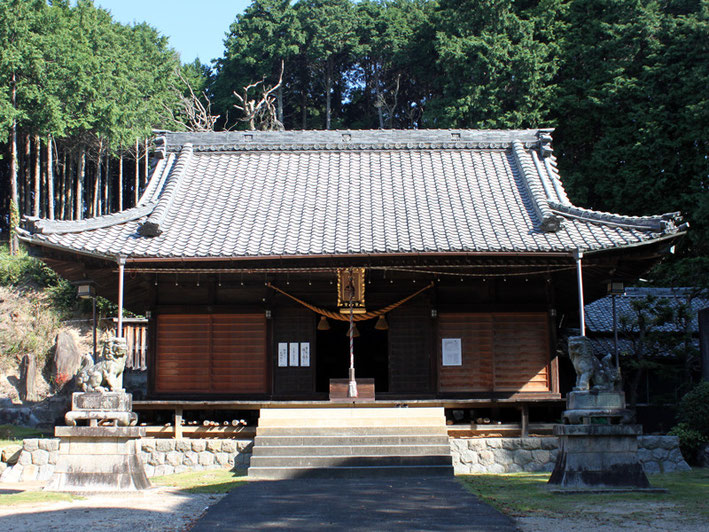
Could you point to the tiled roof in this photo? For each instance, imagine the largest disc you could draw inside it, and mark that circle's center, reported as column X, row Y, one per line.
column 266, row 194
column 599, row 314
column 603, row 345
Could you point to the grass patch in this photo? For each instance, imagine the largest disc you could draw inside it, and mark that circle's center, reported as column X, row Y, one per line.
column 14, row 434
column 34, row 497
column 525, row 494
column 209, row 481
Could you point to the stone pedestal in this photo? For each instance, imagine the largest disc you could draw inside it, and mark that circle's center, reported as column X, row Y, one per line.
column 598, row 458
column 98, row 459
column 585, row 407
column 93, row 407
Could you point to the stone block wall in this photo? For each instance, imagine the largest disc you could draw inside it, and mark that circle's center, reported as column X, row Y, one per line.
column 165, row 457
column 470, row 455
column 657, row 454
column 159, row 456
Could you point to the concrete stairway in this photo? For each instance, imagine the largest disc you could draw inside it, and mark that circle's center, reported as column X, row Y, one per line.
column 350, row 442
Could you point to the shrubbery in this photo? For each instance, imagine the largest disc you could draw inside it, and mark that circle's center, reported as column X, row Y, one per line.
column 693, row 417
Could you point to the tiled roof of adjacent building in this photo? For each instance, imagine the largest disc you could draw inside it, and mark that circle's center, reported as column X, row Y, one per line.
column 599, row 314
column 267, row 194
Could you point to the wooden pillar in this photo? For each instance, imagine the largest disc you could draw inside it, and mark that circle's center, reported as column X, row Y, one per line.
column 178, row 423
column 578, row 255
column 121, row 268
column 524, row 410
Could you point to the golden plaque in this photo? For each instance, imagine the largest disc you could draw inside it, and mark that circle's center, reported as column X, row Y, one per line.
column 350, row 290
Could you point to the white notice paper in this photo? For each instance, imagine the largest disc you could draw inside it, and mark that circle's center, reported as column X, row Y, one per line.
column 451, row 352
column 294, row 354
column 282, row 355
column 305, row 354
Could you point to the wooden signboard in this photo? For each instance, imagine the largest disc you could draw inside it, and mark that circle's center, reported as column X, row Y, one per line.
column 350, row 284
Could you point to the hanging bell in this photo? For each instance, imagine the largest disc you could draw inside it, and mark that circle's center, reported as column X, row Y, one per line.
column 355, row 331
column 323, row 324
column 382, row 324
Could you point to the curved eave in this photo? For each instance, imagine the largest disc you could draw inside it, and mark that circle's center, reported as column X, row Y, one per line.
column 28, row 238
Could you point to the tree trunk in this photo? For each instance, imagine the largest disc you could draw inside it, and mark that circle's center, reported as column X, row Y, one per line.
column 62, row 188
column 37, row 177
column 328, row 89
column 69, row 200
column 50, row 179
column 105, row 205
column 27, row 174
column 136, row 190
column 97, row 185
column 146, row 168
column 14, row 194
column 120, row 181
column 280, row 103
column 80, row 175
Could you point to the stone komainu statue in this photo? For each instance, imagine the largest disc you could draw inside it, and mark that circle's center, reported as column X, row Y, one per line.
column 107, row 373
column 589, row 368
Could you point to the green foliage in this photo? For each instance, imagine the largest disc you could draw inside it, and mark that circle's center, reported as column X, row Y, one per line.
column 691, row 441
column 21, row 270
column 694, row 409
column 693, row 426
column 495, row 70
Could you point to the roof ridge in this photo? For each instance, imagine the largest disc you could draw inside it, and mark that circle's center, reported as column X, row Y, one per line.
column 550, row 222
column 153, row 184
column 349, row 139
column 35, row 225
column 151, row 227
column 662, row 223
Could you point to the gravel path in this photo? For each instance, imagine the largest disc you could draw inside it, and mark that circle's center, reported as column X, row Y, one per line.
column 163, row 509
column 617, row 517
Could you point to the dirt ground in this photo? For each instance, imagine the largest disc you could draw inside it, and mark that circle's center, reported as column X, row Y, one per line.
column 157, row 509
column 617, row 517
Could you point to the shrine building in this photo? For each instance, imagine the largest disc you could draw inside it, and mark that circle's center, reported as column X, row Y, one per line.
column 456, row 255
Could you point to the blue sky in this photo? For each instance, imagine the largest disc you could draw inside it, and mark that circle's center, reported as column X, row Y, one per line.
column 195, row 28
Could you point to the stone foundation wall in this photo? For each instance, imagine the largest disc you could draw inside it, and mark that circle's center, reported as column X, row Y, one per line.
column 657, row 454
column 160, row 457
column 165, row 457
column 38, row 457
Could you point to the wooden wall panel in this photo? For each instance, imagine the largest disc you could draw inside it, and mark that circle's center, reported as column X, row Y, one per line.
column 410, row 348
column 211, row 353
column 182, row 353
column 501, row 352
column 521, row 352
column 238, row 363
column 475, row 332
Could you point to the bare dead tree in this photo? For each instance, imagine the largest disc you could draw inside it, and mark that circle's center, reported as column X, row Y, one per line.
column 262, row 113
column 194, row 113
column 381, row 103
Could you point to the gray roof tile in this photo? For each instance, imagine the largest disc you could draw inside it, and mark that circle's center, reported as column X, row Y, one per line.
column 314, row 193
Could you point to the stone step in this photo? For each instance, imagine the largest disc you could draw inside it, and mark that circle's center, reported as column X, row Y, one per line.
column 351, row 442
column 348, row 461
column 329, row 440
column 279, row 473
column 439, row 430
column 352, row 422
column 352, row 450
column 340, row 412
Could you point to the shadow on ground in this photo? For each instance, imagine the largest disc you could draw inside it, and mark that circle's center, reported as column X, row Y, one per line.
column 353, row 504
